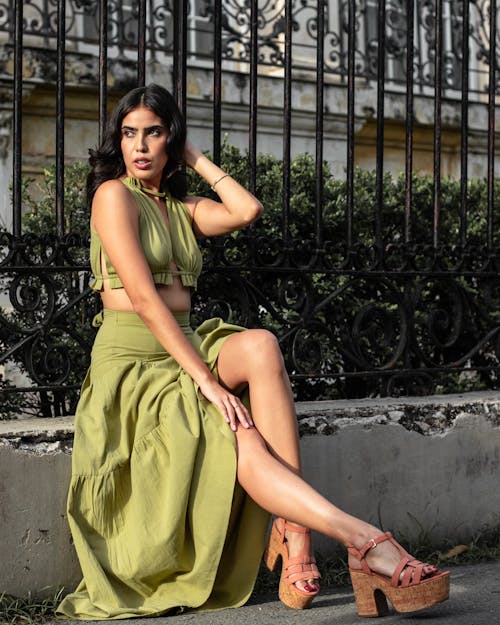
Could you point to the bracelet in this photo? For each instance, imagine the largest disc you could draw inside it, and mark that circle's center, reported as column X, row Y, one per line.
column 218, row 180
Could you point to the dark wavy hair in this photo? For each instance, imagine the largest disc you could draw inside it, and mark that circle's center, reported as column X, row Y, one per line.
column 106, row 162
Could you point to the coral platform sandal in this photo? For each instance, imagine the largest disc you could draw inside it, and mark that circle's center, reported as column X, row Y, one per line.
column 413, row 586
column 301, row 568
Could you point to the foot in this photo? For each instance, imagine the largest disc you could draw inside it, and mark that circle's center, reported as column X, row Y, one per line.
column 384, row 558
column 298, row 544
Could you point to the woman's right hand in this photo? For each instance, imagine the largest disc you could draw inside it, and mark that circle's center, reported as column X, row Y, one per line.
column 230, row 405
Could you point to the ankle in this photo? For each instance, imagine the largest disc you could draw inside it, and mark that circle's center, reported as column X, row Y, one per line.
column 361, row 535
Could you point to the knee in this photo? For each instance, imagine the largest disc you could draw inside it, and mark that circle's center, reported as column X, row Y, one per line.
column 262, row 350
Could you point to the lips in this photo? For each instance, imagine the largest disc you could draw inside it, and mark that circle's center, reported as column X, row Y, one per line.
column 142, row 163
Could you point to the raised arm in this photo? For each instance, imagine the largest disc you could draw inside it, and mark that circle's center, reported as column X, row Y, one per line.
column 237, row 207
column 115, row 217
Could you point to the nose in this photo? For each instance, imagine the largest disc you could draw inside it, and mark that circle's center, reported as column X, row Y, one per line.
column 140, row 143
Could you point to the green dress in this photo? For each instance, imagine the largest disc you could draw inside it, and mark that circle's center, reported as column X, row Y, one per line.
column 158, row 519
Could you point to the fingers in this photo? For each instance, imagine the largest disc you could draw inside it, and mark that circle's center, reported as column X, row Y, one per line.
column 191, row 154
column 231, row 407
column 235, row 413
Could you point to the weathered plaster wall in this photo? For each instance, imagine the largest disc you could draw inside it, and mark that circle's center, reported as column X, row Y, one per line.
column 412, row 465
column 423, row 468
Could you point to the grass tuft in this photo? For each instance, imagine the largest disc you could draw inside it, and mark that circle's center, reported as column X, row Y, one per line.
column 27, row 610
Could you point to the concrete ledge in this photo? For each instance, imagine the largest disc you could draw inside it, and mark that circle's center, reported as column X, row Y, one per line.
column 422, row 467
column 36, row 547
column 414, row 465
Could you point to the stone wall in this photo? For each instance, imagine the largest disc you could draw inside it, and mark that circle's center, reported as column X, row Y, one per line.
column 422, row 467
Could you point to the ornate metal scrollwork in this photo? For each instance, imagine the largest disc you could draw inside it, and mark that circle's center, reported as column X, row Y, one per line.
column 40, row 21
column 374, row 332
column 343, row 331
column 45, row 313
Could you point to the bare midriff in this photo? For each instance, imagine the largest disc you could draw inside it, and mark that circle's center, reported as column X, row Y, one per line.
column 175, row 296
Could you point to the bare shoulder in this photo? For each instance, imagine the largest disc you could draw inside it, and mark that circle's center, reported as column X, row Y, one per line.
column 113, row 195
column 111, row 190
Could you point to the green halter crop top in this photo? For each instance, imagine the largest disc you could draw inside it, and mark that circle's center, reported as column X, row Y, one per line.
column 161, row 244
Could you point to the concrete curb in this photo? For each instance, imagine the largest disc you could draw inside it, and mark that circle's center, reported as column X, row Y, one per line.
column 425, row 468
column 474, row 600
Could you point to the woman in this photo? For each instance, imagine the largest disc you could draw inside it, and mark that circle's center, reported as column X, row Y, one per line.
column 172, row 475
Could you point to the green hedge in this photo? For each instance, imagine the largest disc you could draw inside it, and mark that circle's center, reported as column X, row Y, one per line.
column 39, row 217
column 39, row 201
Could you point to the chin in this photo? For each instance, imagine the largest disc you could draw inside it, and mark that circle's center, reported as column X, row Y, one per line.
column 146, row 176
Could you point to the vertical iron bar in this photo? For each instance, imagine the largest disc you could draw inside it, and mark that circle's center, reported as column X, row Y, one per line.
column 320, row 74
column 343, row 51
column 46, row 24
column 120, row 28
column 410, row 53
column 421, row 46
column 438, row 75
column 464, row 146
column 410, row 116
column 180, row 53
column 103, row 66
column 141, row 44
column 379, row 167
column 217, row 106
column 175, row 18
column 61, row 50
column 151, row 31
column 18, row 111
column 491, row 124
column 252, row 139
column 350, row 123
column 217, row 103
column 287, row 126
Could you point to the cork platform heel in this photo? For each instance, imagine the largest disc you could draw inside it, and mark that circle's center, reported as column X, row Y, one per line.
column 413, row 586
column 300, row 568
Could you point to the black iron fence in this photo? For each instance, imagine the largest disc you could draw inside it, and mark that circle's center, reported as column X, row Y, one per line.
column 376, row 286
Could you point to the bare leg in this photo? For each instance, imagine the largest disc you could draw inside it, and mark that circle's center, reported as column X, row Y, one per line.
column 282, row 492
column 254, row 358
column 268, row 456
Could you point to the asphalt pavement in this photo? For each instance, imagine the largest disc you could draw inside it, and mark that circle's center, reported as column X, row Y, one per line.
column 474, row 600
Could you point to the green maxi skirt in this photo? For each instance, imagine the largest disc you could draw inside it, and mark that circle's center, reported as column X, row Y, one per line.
column 158, row 520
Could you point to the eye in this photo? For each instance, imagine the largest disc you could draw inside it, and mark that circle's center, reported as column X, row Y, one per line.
column 155, row 132
column 126, row 132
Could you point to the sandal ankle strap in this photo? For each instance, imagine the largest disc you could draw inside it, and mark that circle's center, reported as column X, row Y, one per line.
column 360, row 554
column 282, row 526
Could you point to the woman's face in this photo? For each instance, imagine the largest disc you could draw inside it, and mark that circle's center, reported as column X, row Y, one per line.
column 143, row 145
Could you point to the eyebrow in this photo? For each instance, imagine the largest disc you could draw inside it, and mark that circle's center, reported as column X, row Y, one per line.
column 125, row 127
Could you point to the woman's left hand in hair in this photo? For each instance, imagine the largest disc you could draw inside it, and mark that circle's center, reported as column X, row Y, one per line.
column 235, row 208
column 191, row 154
